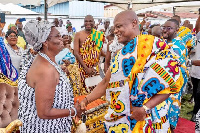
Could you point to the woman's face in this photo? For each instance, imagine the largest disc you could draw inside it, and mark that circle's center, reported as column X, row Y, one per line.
column 67, row 39
column 12, row 39
column 55, row 41
column 14, row 28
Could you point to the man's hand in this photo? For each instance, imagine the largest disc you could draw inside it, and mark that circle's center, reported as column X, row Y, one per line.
column 138, row 113
column 78, row 109
column 89, row 71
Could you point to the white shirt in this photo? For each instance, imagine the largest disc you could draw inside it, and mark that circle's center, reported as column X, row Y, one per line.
column 15, row 56
column 195, row 70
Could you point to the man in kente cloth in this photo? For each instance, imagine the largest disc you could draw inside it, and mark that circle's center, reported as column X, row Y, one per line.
column 185, row 34
column 87, row 50
column 169, row 32
column 143, row 74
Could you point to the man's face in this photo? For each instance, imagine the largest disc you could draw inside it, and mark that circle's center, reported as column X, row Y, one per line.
column 169, row 29
column 124, row 29
column 88, row 23
column 20, row 26
column 13, row 28
column 107, row 23
column 56, row 22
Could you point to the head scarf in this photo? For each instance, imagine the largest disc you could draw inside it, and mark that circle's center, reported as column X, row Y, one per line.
column 11, row 25
column 37, row 32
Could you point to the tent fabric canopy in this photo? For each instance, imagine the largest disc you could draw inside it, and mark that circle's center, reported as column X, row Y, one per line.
column 53, row 2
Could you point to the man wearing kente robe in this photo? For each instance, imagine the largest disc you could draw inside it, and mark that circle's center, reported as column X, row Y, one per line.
column 142, row 76
column 87, row 50
column 169, row 32
column 185, row 34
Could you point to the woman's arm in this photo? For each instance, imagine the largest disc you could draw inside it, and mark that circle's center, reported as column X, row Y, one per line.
column 45, row 86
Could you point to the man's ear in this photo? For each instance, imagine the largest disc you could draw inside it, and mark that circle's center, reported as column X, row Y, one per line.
column 134, row 23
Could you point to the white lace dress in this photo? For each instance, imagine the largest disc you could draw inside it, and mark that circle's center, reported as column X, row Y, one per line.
column 63, row 99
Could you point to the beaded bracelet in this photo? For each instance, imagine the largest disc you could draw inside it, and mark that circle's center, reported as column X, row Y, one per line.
column 75, row 112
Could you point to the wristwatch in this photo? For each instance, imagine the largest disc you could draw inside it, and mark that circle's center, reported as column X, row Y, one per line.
column 147, row 110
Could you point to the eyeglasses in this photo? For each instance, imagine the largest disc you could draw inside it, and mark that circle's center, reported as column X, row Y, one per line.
column 166, row 28
column 10, row 36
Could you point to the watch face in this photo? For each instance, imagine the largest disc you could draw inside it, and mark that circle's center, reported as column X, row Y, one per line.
column 148, row 111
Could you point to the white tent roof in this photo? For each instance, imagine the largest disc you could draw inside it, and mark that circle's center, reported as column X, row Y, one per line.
column 53, row 2
column 15, row 9
column 191, row 5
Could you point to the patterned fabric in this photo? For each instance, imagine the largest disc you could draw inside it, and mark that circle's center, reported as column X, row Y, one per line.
column 15, row 55
column 141, row 58
column 185, row 34
column 174, row 100
column 8, row 72
column 37, row 32
column 90, row 52
column 197, row 123
column 65, row 54
column 63, row 99
column 114, row 46
column 97, row 37
column 74, row 76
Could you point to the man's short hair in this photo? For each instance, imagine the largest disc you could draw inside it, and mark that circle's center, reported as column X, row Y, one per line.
column 174, row 20
column 153, row 25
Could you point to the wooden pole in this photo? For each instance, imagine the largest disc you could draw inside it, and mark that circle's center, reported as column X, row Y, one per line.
column 45, row 9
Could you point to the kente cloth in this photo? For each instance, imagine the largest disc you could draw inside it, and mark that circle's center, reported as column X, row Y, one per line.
column 75, row 79
column 65, row 54
column 174, row 101
column 143, row 68
column 90, row 52
column 8, row 73
column 186, row 35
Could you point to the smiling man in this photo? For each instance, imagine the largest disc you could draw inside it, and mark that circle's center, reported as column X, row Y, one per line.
column 141, row 77
column 169, row 32
column 87, row 49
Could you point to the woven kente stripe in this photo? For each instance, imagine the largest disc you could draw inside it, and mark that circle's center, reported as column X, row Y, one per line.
column 117, row 84
column 4, row 79
column 163, row 74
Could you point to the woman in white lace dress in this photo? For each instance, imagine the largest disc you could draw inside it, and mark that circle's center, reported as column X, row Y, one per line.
column 45, row 95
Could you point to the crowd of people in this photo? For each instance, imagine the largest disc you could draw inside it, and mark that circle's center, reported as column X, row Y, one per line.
column 144, row 70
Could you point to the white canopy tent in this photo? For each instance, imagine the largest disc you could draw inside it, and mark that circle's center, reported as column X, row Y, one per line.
column 136, row 4
column 15, row 9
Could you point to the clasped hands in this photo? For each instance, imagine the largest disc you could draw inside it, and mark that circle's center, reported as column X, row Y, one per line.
column 138, row 113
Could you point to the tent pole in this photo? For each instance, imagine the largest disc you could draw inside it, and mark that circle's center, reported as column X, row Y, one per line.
column 45, row 9
column 174, row 11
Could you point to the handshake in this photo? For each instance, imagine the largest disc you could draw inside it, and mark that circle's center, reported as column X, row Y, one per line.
column 80, row 107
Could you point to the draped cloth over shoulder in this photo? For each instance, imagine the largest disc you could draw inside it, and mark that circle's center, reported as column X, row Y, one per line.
column 8, row 73
column 146, row 66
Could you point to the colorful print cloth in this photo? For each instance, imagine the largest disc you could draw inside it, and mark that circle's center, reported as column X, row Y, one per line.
column 143, row 68
column 90, row 52
column 8, row 72
column 174, row 101
column 65, row 54
column 186, row 35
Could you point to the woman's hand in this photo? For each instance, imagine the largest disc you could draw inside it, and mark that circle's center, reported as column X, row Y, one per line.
column 138, row 113
column 78, row 109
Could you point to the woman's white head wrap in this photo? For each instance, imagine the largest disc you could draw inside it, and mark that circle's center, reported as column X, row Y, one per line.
column 37, row 32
